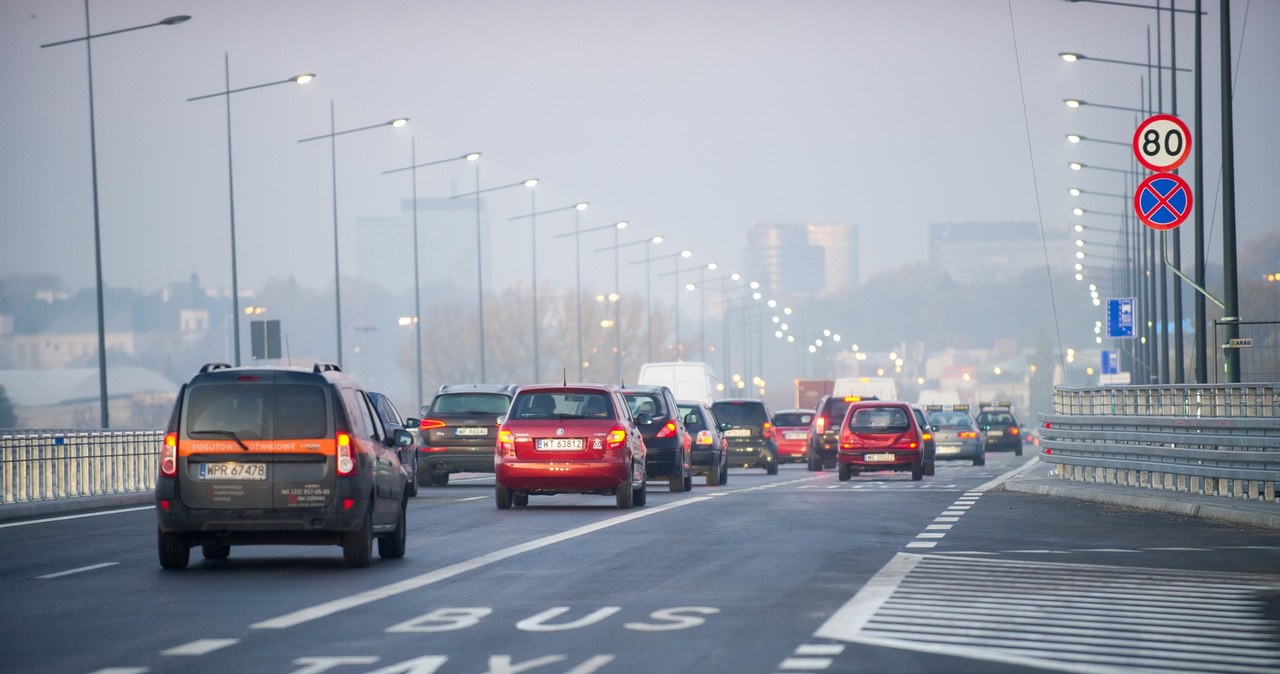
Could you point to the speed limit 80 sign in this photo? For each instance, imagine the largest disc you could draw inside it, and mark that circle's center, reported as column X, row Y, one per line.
column 1162, row 143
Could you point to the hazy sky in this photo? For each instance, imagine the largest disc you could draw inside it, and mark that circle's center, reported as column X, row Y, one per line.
column 689, row 118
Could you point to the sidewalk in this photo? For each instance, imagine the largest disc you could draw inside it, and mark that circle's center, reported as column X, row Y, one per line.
column 1033, row 478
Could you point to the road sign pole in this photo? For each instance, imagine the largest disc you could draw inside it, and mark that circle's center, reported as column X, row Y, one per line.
column 1231, row 317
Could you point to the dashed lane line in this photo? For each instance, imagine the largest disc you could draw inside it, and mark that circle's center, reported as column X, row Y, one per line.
column 93, row 567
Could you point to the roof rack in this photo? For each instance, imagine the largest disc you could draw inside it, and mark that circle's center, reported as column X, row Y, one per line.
column 210, row 367
column 325, row 367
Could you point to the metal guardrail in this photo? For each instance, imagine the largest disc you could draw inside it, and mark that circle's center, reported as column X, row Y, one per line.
column 46, row 465
column 1217, row 440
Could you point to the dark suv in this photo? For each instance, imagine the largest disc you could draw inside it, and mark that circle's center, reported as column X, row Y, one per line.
column 824, row 434
column 1000, row 428
column 669, row 447
column 459, row 429
column 275, row 455
column 750, row 433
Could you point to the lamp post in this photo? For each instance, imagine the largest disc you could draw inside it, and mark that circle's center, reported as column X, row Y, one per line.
column 533, row 218
column 479, row 258
column 333, row 168
column 648, row 243
column 675, row 257
column 301, row 78
column 577, row 264
column 702, row 318
column 412, row 168
column 87, row 39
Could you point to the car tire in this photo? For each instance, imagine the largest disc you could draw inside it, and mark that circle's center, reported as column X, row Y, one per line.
column 439, row 479
column 424, row 477
column 214, row 551
column 676, row 484
column 625, row 496
column 357, row 546
column 981, row 460
column 917, row 471
column 688, row 482
column 520, row 499
column 640, row 496
column 392, row 545
column 1018, row 451
column 815, row 463
column 502, row 496
column 724, row 473
column 174, row 551
column 771, row 468
column 929, row 468
column 713, row 476
column 411, row 489
column 845, row 472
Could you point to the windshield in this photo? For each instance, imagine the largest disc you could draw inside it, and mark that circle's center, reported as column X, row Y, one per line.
column 792, row 418
column 646, row 403
column 996, row 418
column 879, row 420
column 951, row 419
column 470, row 403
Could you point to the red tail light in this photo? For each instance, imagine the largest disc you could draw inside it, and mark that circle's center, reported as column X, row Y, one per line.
column 1013, row 430
column 967, row 435
column 506, row 442
column 346, row 455
column 169, row 456
column 668, row 430
column 704, row 437
column 907, row 443
column 822, row 425
column 768, row 430
column 927, row 437
column 617, row 438
column 427, row 424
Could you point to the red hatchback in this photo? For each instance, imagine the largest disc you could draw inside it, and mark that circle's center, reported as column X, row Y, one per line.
column 791, row 428
column 881, row 436
column 579, row 439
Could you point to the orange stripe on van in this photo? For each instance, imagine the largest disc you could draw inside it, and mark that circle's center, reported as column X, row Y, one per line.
column 325, row 446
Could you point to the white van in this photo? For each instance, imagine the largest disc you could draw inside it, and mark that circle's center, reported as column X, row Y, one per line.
column 883, row 388
column 938, row 396
column 688, row 380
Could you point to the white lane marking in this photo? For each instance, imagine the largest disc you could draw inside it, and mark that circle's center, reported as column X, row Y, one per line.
column 121, row 670
column 805, row 663
column 939, row 527
column 820, row 649
column 200, row 647
column 79, row 570
column 999, row 480
column 922, row 544
column 63, row 518
column 471, row 498
column 946, row 519
column 359, row 599
column 849, row 619
column 928, row 534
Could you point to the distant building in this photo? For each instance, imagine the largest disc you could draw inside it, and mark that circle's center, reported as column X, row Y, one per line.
column 803, row 259
column 446, row 242
column 981, row 252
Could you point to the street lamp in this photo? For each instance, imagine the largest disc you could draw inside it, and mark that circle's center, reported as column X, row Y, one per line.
column 333, row 168
column 87, row 38
column 577, row 262
column 686, row 253
column 615, row 248
column 702, row 314
column 301, row 78
column 1075, row 138
column 1072, row 57
column 412, row 168
column 1077, row 103
column 479, row 259
column 533, row 234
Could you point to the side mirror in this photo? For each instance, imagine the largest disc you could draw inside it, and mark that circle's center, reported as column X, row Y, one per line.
column 984, row 427
column 690, row 419
column 412, row 423
column 935, row 428
column 403, row 438
column 724, row 426
column 502, row 420
column 644, row 419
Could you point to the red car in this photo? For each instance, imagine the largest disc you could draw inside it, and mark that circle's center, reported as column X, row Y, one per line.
column 580, row 438
column 791, row 430
column 881, row 435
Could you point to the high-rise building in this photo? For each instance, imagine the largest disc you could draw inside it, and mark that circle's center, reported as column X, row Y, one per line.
column 446, row 243
column 803, row 259
column 978, row 252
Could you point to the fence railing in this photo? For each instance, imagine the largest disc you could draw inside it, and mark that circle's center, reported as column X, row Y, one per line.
column 1218, row 440
column 45, row 465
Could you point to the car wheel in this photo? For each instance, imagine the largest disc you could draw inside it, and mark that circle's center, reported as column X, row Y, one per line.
column 520, row 499
column 929, row 468
column 502, row 496
column 713, row 477
column 981, row 460
column 212, row 551
column 439, row 479
column 1018, row 451
column 688, row 482
column 174, row 551
column 676, row 484
column 640, row 496
column 771, row 468
column 357, row 546
column 917, row 471
column 423, row 477
column 845, row 472
column 625, row 495
column 814, row 463
column 724, row 473
column 392, row 545
column 411, row 489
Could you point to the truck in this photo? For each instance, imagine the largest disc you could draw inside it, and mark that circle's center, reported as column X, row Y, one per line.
column 810, row 391
column 688, row 380
column 883, row 388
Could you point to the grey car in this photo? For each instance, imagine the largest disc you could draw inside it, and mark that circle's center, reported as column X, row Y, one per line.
column 956, row 434
column 710, row 448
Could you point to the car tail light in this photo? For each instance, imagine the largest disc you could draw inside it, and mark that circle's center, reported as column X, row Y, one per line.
column 704, row 437
column 169, row 456
column 1013, row 430
column 617, row 438
column 668, row 430
column 907, row 443
column 346, row 456
column 506, row 442
column 427, row 424
column 926, row 436
column 767, row 431
column 822, row 425
column 967, row 435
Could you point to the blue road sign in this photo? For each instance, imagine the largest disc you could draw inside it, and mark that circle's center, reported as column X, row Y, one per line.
column 1110, row 362
column 1163, row 201
column 1120, row 317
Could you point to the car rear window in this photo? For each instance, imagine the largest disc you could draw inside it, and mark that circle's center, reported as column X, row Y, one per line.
column 836, row 409
column 561, row 405
column 646, row 403
column 740, row 413
column 995, row 418
column 879, row 420
column 258, row 412
column 951, row 419
column 470, row 403
column 698, row 424
column 792, row 418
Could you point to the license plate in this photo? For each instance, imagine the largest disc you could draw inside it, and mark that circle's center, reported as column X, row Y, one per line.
column 949, row 449
column 795, row 435
column 230, row 470
column 560, row 444
column 471, row 431
column 994, row 434
column 880, row 457
column 738, row 433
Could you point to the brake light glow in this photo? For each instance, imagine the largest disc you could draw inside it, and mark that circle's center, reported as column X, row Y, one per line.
column 927, row 437
column 907, row 443
column 1013, row 430
column 427, row 424
column 506, row 441
column 704, row 437
column 617, row 438
column 768, row 430
column 668, row 430
column 346, row 458
column 853, row 399
column 967, row 435
column 169, row 456
column 822, row 424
